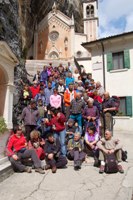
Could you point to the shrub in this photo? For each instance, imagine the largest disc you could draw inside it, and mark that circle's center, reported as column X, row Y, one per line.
column 3, row 126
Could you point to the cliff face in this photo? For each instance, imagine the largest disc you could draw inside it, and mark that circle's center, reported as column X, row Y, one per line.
column 18, row 20
column 17, row 24
column 33, row 11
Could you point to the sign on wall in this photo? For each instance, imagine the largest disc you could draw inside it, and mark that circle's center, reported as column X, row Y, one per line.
column 97, row 66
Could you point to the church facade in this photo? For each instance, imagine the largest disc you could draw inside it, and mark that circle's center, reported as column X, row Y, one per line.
column 55, row 37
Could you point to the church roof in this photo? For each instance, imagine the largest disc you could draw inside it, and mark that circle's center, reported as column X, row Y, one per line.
column 54, row 13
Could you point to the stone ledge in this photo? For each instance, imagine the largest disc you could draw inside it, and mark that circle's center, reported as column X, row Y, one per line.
column 3, row 160
column 5, row 169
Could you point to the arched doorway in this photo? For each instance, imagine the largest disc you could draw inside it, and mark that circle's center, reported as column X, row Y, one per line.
column 7, row 63
column 53, row 55
column 3, row 90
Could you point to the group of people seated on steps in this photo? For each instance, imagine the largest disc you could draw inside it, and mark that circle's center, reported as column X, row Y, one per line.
column 65, row 115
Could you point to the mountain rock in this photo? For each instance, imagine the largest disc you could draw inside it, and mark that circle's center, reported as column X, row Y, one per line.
column 17, row 24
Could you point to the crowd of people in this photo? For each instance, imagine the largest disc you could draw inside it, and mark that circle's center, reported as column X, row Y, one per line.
column 66, row 115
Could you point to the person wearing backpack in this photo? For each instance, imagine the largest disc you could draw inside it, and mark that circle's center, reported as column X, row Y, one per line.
column 107, row 146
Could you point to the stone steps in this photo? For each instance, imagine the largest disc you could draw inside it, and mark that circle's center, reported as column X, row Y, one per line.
column 33, row 65
column 5, row 169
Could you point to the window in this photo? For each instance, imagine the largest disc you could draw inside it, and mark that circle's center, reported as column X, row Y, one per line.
column 122, row 108
column 40, row 47
column 90, row 11
column 125, row 108
column 54, row 35
column 79, row 54
column 118, row 60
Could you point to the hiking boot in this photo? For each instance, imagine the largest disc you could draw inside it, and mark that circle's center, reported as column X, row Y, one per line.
column 47, row 167
column 28, row 169
column 40, row 170
column 54, row 169
column 120, row 169
column 76, row 168
column 96, row 162
column 101, row 170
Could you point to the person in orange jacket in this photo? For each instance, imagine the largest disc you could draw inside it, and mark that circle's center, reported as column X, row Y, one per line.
column 69, row 95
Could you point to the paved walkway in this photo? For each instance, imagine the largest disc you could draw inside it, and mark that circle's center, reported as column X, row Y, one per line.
column 68, row 184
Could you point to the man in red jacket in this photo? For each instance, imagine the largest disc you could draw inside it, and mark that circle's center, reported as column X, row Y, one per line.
column 17, row 151
column 34, row 89
column 57, row 124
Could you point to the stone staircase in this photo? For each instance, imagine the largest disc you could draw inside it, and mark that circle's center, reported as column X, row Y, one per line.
column 33, row 65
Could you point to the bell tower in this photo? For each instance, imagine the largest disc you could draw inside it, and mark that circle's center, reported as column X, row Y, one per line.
column 90, row 18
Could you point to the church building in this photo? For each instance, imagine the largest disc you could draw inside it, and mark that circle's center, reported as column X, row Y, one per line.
column 55, row 38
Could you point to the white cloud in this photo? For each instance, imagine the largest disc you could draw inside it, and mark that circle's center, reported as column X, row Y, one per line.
column 112, row 10
column 129, row 24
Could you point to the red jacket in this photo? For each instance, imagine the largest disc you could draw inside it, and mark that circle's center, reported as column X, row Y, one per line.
column 15, row 144
column 34, row 90
column 98, row 98
column 59, row 123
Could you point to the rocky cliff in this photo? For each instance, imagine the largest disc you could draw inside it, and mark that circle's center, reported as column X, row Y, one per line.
column 19, row 17
column 33, row 11
column 17, row 24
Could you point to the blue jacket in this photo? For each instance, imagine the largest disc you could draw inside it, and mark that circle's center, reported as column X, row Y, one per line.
column 69, row 80
column 44, row 76
column 48, row 92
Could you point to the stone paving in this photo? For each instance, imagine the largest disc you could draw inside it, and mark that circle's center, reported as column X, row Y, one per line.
column 68, row 184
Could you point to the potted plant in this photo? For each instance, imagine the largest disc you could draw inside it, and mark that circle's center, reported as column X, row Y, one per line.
column 4, row 134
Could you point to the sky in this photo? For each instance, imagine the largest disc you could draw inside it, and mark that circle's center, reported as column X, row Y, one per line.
column 115, row 17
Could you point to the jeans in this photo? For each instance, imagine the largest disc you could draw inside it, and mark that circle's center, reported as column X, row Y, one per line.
column 77, row 118
column 28, row 153
column 61, row 135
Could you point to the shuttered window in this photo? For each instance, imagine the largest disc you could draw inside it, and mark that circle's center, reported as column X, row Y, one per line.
column 118, row 60
column 129, row 106
column 125, row 108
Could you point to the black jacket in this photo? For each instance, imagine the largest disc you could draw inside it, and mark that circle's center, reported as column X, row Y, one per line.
column 54, row 147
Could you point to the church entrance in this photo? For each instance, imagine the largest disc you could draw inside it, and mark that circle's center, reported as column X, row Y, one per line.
column 53, row 55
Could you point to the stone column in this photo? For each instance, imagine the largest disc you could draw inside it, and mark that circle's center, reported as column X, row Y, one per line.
column 35, row 45
column 8, row 108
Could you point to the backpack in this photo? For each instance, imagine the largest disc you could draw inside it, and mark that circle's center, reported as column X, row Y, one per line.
column 116, row 103
column 124, row 155
column 111, row 164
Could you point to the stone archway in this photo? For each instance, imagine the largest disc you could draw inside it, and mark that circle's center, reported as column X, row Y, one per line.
column 53, row 55
column 7, row 63
column 3, row 90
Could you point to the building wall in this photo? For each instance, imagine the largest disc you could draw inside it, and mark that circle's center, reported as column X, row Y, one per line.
column 85, row 57
column 79, row 39
column 87, row 65
column 118, row 82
